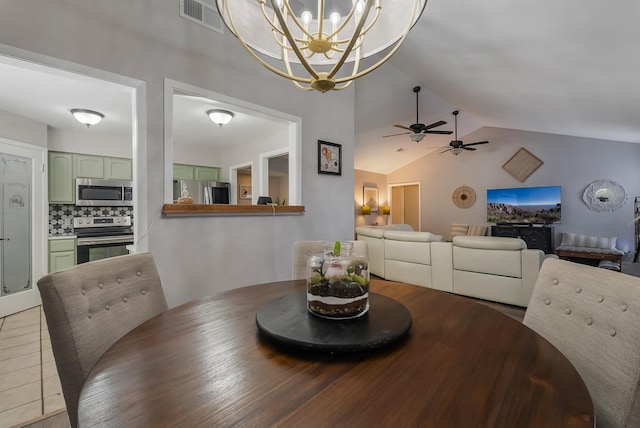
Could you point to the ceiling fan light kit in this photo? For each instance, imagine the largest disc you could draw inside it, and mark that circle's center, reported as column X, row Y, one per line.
column 417, row 137
column 87, row 117
column 313, row 50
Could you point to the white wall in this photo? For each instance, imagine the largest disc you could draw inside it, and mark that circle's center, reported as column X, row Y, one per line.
column 19, row 128
column 251, row 150
column 95, row 144
column 147, row 40
column 570, row 162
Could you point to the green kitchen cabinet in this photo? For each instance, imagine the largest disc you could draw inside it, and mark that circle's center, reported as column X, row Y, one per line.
column 65, row 167
column 194, row 172
column 62, row 254
column 89, row 166
column 61, row 185
column 183, row 172
column 206, row 173
column 118, row 168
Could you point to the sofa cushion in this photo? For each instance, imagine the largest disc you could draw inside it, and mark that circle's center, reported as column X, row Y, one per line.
column 573, row 240
column 477, row 230
column 458, row 230
column 378, row 231
column 505, row 259
column 495, row 262
column 370, row 231
column 490, row 243
column 408, row 251
column 590, row 250
column 398, row 235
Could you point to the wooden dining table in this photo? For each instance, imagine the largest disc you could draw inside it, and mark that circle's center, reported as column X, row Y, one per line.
column 462, row 364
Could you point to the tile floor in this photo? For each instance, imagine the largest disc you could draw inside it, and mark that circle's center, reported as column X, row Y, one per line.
column 29, row 383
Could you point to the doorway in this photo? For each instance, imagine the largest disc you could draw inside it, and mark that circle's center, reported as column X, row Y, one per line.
column 242, row 191
column 22, row 225
column 405, row 204
column 40, row 91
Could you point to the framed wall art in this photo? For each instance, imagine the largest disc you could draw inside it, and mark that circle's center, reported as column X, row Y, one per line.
column 522, row 164
column 329, row 158
column 245, row 192
column 370, row 197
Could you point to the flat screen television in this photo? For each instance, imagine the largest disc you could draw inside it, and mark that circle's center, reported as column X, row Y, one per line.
column 524, row 205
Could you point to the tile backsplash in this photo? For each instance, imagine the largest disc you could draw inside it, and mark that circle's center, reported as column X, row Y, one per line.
column 61, row 216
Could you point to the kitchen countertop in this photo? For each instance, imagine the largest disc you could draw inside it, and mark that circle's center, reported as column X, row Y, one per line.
column 51, row 237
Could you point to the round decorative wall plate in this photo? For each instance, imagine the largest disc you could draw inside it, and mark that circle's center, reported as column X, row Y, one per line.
column 604, row 195
column 464, row 197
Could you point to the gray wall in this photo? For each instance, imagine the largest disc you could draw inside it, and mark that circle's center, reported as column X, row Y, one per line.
column 147, row 40
column 570, row 162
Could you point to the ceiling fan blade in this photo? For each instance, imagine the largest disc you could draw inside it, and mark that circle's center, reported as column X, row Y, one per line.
column 436, row 124
column 469, row 148
column 439, row 132
column 403, row 127
column 444, row 151
column 475, row 144
column 393, row 135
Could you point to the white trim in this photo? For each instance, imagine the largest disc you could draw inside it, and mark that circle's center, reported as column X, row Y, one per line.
column 233, row 182
column 408, row 183
column 230, row 103
column 55, row 66
column 39, row 224
column 264, row 169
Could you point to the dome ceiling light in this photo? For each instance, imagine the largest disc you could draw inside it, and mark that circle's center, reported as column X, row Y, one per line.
column 87, row 117
column 291, row 31
column 220, row 117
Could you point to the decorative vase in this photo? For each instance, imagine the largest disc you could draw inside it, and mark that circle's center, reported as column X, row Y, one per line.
column 337, row 284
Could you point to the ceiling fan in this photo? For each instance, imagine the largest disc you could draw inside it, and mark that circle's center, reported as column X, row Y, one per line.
column 419, row 130
column 457, row 146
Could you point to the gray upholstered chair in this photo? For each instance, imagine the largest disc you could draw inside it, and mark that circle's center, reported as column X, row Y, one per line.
column 89, row 307
column 302, row 250
column 592, row 316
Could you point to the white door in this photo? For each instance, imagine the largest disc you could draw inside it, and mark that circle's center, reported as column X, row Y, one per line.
column 22, row 225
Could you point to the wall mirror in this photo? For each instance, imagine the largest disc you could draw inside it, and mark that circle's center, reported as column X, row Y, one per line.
column 604, row 195
column 197, row 148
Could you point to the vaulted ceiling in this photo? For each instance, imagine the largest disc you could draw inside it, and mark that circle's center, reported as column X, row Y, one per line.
column 568, row 67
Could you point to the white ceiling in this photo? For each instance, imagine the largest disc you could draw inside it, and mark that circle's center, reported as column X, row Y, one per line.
column 567, row 67
column 47, row 96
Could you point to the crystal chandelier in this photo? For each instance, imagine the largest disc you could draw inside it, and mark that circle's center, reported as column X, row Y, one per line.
column 311, row 51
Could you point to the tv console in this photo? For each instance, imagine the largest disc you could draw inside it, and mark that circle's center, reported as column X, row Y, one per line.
column 539, row 237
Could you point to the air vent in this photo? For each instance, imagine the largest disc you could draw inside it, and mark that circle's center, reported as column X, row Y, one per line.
column 203, row 12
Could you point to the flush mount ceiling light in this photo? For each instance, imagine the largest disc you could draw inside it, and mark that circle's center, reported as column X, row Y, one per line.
column 220, row 117
column 348, row 32
column 87, row 117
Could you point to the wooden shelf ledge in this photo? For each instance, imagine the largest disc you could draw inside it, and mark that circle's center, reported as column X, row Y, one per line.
column 176, row 210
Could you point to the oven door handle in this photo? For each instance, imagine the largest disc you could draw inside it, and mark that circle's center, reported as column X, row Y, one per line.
column 83, row 242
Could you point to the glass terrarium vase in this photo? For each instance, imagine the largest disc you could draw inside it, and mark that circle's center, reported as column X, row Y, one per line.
column 338, row 284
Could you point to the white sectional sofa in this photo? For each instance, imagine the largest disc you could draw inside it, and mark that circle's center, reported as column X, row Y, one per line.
column 407, row 256
column 374, row 237
column 491, row 268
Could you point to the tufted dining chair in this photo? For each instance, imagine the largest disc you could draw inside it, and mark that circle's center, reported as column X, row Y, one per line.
column 592, row 316
column 303, row 249
column 89, row 307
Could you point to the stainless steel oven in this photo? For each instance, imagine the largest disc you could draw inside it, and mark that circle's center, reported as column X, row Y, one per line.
column 96, row 192
column 102, row 237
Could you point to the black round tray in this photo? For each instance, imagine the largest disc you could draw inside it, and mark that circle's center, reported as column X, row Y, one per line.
column 287, row 321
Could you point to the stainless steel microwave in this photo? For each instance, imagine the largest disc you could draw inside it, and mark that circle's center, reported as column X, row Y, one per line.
column 97, row 192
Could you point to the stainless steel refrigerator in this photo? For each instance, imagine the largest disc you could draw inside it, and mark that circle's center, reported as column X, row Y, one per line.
column 202, row 192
